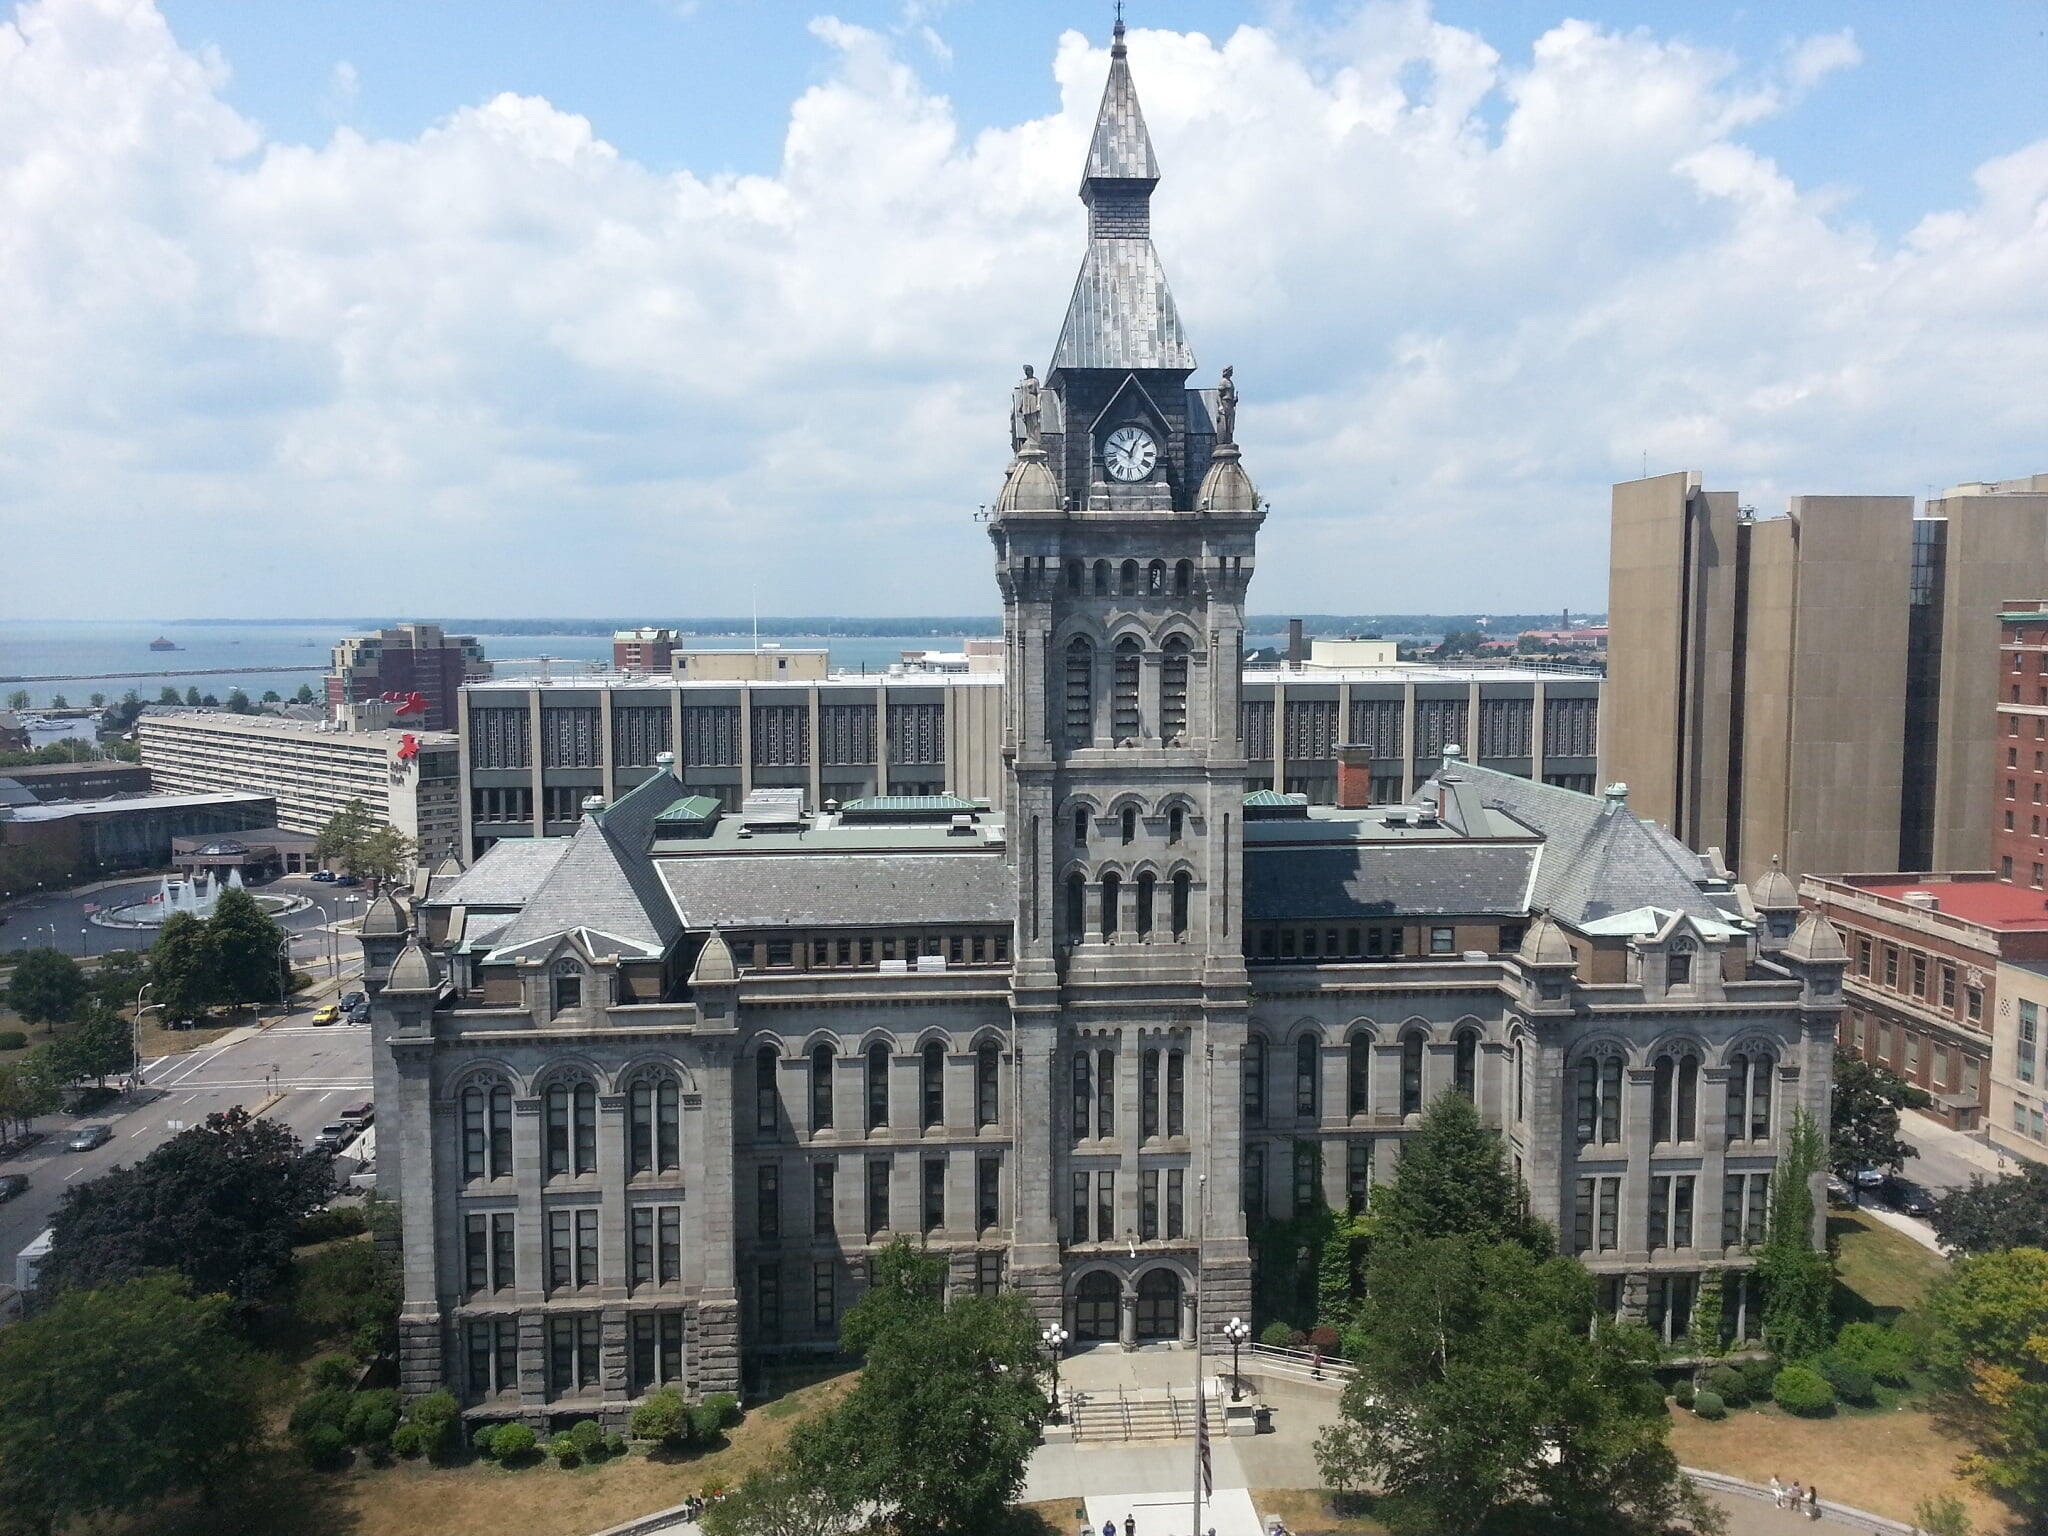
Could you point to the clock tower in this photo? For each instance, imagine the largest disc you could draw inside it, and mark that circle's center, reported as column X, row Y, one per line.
column 1124, row 538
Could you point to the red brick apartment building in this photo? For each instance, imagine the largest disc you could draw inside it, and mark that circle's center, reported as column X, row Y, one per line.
column 1921, row 989
column 2019, row 803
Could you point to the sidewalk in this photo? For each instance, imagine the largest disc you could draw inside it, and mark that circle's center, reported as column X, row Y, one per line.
column 1925, row 1131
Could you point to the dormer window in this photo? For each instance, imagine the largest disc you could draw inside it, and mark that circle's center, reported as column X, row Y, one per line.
column 568, row 986
column 1678, row 963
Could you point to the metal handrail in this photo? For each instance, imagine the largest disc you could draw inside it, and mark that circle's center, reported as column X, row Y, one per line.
column 1841, row 1514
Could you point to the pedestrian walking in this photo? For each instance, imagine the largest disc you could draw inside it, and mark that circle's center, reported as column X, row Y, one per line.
column 1777, row 1491
column 1130, row 1525
column 1109, row 1528
column 1813, row 1503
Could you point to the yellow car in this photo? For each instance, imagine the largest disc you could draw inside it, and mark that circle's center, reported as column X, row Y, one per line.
column 328, row 1015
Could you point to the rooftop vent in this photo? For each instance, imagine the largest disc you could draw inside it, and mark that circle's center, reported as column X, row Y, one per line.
column 1926, row 901
column 593, row 804
column 962, row 826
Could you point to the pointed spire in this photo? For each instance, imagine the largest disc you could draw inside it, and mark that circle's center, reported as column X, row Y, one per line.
column 1121, row 149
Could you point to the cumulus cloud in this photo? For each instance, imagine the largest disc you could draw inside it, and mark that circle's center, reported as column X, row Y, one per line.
column 501, row 367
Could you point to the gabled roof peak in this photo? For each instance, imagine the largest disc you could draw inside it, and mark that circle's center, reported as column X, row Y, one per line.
column 1121, row 149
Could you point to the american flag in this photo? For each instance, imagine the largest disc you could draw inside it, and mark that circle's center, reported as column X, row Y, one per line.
column 1203, row 1467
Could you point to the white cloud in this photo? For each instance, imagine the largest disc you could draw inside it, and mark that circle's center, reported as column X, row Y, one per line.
column 503, row 368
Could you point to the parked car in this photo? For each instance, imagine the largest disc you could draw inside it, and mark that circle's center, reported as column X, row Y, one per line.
column 1911, row 1198
column 360, row 1014
column 323, row 876
column 359, row 1115
column 86, row 1137
column 1871, row 1178
column 334, row 1137
column 328, row 1015
column 351, row 1001
column 12, row 1184
column 348, row 880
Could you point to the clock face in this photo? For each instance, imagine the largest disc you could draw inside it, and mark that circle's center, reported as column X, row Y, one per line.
column 1130, row 453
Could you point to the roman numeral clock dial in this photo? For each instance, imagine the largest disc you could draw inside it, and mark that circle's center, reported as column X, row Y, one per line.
column 1130, row 453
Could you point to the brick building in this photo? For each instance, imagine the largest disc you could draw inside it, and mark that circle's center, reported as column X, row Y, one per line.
column 2019, row 790
column 407, row 659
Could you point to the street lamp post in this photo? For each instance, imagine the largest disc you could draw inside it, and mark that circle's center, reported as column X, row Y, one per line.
column 284, row 974
column 1055, row 1338
column 1237, row 1330
column 139, row 1011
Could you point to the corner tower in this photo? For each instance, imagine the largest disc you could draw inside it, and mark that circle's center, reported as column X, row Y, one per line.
column 1124, row 538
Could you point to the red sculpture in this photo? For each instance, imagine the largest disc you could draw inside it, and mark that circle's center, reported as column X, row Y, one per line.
column 408, row 745
column 408, row 703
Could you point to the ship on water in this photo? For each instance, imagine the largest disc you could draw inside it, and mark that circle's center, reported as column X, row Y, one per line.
column 160, row 643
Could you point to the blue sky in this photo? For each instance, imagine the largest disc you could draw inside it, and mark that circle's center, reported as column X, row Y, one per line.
column 622, row 307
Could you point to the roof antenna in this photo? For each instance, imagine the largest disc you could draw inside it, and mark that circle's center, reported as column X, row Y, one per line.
column 1116, row 47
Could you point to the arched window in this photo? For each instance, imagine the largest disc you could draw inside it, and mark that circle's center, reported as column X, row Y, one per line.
column 1176, row 824
column 1306, row 1056
column 654, row 1127
column 1084, row 1094
column 1749, row 1096
column 1674, row 1098
column 1465, row 1063
column 821, row 1087
column 1358, row 1075
column 1074, row 575
column 1155, row 577
column 1078, row 699
column 1183, row 577
column 1148, row 1095
column 1411, row 1072
column 487, row 1131
column 1255, row 1080
column 568, row 986
column 1173, row 689
column 767, row 1099
column 1129, row 822
column 932, row 1084
column 987, row 1086
column 1081, row 828
column 1599, row 1100
column 1102, row 578
column 1112, row 898
column 1128, row 721
column 571, row 1126
column 1183, row 888
column 1077, row 909
column 1146, row 882
column 1176, row 1093
column 878, row 1086
column 1129, row 573
column 1521, row 1083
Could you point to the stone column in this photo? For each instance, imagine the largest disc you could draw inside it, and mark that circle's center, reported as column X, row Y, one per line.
column 1127, row 1315
column 718, row 1312
column 421, row 1367
column 614, row 1266
column 1713, row 1134
column 1637, row 1088
column 530, row 1239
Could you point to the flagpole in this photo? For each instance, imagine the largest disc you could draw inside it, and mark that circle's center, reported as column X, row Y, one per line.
column 1201, row 1401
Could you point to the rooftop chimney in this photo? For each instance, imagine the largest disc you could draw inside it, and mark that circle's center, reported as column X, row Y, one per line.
column 1354, row 777
column 1297, row 646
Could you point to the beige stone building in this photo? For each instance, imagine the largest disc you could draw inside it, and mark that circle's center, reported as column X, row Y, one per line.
column 1816, row 688
column 2017, row 1120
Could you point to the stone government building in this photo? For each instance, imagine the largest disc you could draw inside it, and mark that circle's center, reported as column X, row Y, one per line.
column 652, row 1091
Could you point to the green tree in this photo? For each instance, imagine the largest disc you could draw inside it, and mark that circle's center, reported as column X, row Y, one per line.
column 27, row 1090
column 48, row 987
column 109, row 1399
column 1453, row 1181
column 1863, row 1118
column 1797, row 1279
column 192, row 695
column 168, row 695
column 219, row 1203
column 344, row 832
column 271, row 696
column 103, row 1044
column 1989, row 1351
column 238, row 702
column 349, row 1290
column 117, row 977
column 211, row 701
column 2010, row 1211
column 184, row 972
column 385, row 854
column 99, row 701
column 18, row 699
column 304, row 695
column 245, row 943
column 947, row 1410
column 781, row 1501
column 58, row 701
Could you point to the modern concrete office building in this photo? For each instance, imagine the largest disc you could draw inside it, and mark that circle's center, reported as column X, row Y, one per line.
column 655, row 1090
column 1816, row 688
column 408, row 778
column 847, row 736
column 403, row 660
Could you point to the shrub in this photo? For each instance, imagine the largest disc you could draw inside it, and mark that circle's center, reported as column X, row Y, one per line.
column 12, row 1039
column 589, row 1437
column 323, row 1445
column 1325, row 1339
column 1276, row 1335
column 323, row 1407
column 1682, row 1394
column 1757, row 1376
column 705, row 1422
column 1353, row 1342
column 326, row 1226
column 435, row 1417
column 615, row 1444
column 726, row 1406
column 371, row 1417
column 1708, row 1405
column 405, row 1440
column 333, row 1371
column 1804, row 1392
column 485, row 1441
column 1726, row 1383
column 1852, row 1383
column 662, row 1416
column 563, row 1448
column 513, row 1442
column 1886, row 1353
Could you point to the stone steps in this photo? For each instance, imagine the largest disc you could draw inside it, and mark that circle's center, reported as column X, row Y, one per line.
column 1149, row 1415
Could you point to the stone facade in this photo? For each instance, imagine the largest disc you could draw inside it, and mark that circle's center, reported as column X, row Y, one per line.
column 654, row 1092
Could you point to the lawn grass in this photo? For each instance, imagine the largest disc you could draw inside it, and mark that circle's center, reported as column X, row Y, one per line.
column 1879, row 1271
column 1883, row 1462
column 1312, row 1510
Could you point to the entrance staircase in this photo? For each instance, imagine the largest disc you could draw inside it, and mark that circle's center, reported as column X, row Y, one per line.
column 1148, row 1413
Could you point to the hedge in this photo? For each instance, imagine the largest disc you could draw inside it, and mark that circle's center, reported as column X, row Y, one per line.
column 1727, row 1384
column 12, row 1039
column 1682, row 1394
column 1708, row 1405
column 1804, row 1392
column 1276, row 1335
column 509, row 1442
column 1886, row 1353
column 1852, row 1383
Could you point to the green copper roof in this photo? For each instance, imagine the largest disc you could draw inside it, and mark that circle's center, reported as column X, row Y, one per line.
column 908, row 805
column 1266, row 797
column 691, row 808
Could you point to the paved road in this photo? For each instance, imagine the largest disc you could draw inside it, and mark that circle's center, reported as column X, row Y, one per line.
column 318, row 1071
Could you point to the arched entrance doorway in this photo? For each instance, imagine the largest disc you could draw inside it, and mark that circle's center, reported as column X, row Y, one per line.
column 1158, row 1305
column 1095, row 1307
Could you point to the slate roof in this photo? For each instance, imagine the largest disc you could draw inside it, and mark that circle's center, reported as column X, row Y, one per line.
column 1122, row 313
column 1599, row 858
column 767, row 890
column 603, row 885
column 1121, row 149
column 1366, row 880
column 507, row 875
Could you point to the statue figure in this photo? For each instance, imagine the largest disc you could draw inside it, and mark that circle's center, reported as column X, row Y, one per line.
column 1226, row 410
column 1024, row 413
